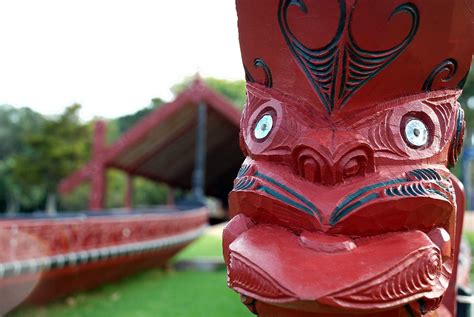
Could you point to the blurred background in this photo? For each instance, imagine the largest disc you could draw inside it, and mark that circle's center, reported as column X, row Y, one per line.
column 65, row 65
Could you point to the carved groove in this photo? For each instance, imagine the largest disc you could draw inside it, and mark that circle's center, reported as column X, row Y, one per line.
column 419, row 275
column 339, row 69
column 260, row 63
column 243, row 276
column 450, row 65
column 413, row 186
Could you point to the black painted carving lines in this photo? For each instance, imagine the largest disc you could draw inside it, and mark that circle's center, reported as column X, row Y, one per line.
column 260, row 63
column 450, row 66
column 339, row 69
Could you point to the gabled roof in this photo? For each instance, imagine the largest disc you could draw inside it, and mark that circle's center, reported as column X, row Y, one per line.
column 161, row 146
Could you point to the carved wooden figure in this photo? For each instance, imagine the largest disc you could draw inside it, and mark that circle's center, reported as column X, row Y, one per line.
column 345, row 205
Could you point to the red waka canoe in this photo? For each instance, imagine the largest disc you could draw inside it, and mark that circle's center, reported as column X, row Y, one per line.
column 47, row 257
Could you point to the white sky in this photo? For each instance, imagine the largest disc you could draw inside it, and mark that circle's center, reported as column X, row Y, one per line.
column 111, row 56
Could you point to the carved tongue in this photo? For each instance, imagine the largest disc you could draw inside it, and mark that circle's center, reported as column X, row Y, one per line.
column 312, row 267
column 320, row 242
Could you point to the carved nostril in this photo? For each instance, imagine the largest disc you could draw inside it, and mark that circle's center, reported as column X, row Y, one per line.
column 328, row 169
column 352, row 168
column 309, row 169
column 309, row 164
column 357, row 162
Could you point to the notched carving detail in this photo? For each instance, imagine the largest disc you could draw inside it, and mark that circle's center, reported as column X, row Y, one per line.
column 418, row 275
column 248, row 280
column 449, row 65
column 260, row 63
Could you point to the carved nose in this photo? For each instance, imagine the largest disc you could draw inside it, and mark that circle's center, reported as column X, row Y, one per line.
column 319, row 165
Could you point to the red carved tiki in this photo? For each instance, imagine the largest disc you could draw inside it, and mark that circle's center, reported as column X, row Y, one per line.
column 345, row 204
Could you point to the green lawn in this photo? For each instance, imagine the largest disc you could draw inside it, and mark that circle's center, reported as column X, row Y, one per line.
column 159, row 293
column 155, row 293
column 470, row 238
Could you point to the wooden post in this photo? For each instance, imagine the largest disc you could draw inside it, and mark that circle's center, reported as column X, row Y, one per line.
column 200, row 156
column 129, row 192
column 345, row 204
column 170, row 196
column 99, row 170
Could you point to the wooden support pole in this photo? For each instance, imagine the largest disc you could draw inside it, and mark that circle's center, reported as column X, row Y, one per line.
column 170, row 196
column 129, row 192
column 98, row 187
column 99, row 169
column 199, row 173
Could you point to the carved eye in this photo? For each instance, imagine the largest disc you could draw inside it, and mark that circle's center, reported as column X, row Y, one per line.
column 263, row 127
column 416, row 133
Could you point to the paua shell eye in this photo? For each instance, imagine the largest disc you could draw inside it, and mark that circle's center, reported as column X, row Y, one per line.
column 263, row 127
column 416, row 133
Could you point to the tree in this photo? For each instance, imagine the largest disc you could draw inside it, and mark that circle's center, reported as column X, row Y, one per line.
column 60, row 146
column 234, row 90
column 14, row 124
column 466, row 101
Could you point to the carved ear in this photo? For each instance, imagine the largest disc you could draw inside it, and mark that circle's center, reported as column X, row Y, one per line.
column 457, row 142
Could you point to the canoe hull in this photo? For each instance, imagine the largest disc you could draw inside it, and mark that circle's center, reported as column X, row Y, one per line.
column 50, row 258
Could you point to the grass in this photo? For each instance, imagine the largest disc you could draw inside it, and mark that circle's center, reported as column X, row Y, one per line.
column 470, row 237
column 160, row 293
column 206, row 246
column 155, row 293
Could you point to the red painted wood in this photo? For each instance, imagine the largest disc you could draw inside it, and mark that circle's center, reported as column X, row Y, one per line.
column 98, row 192
column 345, row 204
column 38, row 290
column 63, row 235
column 36, row 239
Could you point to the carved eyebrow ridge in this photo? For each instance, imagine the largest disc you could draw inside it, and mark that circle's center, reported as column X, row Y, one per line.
column 347, row 204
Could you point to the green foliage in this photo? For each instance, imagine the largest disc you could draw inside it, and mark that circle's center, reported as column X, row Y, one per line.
column 116, row 184
column 145, row 192
column 470, row 238
column 14, row 124
column 468, row 114
column 206, row 246
column 58, row 148
column 234, row 90
column 122, row 124
column 77, row 200
column 468, row 93
column 148, row 193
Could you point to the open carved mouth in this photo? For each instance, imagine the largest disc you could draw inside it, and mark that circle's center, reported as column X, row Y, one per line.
column 277, row 264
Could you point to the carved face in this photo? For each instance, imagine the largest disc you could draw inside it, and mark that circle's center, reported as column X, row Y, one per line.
column 344, row 202
column 363, row 195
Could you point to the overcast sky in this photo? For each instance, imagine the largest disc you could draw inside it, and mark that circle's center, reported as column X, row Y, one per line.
column 111, row 56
